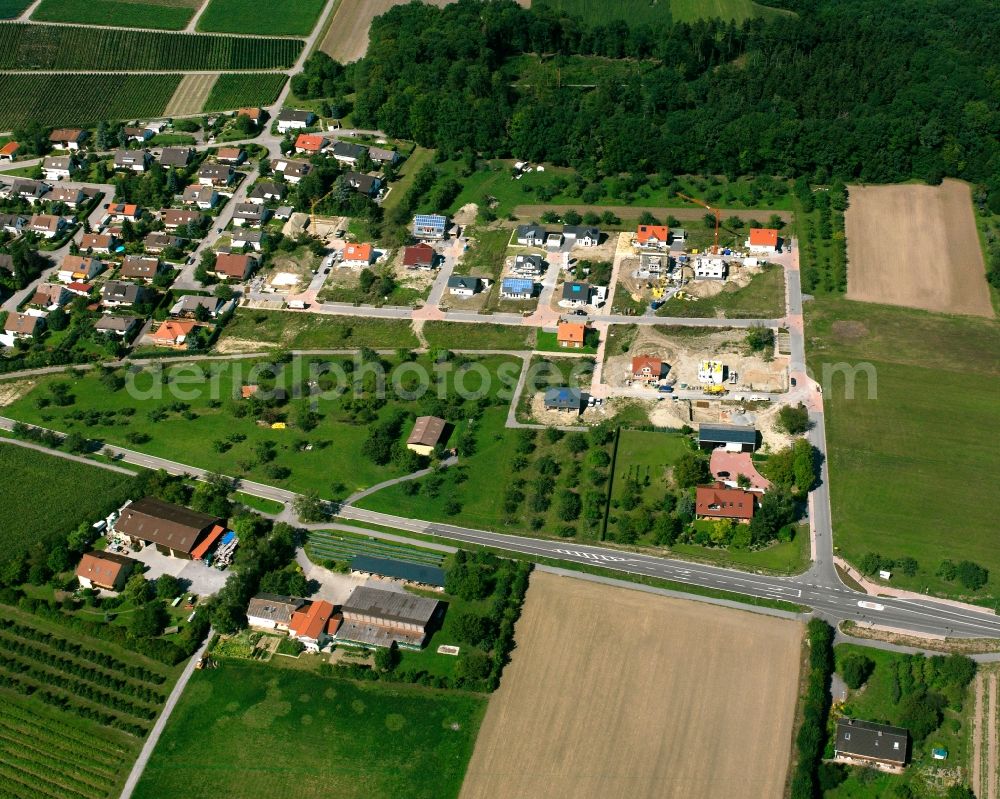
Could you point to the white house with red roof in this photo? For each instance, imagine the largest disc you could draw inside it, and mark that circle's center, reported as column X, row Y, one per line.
column 762, row 240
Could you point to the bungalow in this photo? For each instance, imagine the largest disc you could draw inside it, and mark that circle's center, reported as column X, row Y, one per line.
column 23, row 325
column 380, row 156
column 571, row 335
column 367, row 185
column 429, row 226
column 204, row 197
column 250, row 214
column 577, row 295
column 216, row 175
column 121, row 212
column 375, row 617
column 131, row 160
column 568, row 400
column 117, row 294
column 234, row 156
column 730, row 437
column 176, row 156
column 711, row 372
column 868, row 742
column 582, row 236
column 49, row 296
column 647, row 369
column 272, row 611
column 358, row 256
column 48, row 226
column 78, row 267
column 136, row 267
column 12, row 223
column 188, row 305
column 173, row 332
column 762, row 240
column 121, row 326
column 313, row 624
column 426, row 434
column 348, row 153
column 266, row 190
column 653, row 236
column 465, row 285
column 254, row 239
column 719, row 502
column 27, row 189
column 173, row 529
column 234, row 266
column 158, row 242
column 70, row 197
column 9, row 151
column 174, row 218
column 290, row 119
column 67, row 138
column 138, row 133
column 105, row 570
column 419, row 256
column 57, row 167
column 310, row 143
column 709, row 268
column 291, row 170
column 79, row 289
column 527, row 266
column 517, row 288
column 531, row 235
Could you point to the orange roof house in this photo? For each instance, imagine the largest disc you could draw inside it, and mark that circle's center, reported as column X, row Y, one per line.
column 358, row 253
column 234, row 266
column 174, row 331
column 646, row 368
column 309, row 143
column 652, row 234
column 763, row 237
column 311, row 623
column 254, row 113
column 104, row 570
column 571, row 334
column 718, row 502
column 9, row 150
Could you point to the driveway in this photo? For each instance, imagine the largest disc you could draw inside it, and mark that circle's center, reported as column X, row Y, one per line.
column 203, row 580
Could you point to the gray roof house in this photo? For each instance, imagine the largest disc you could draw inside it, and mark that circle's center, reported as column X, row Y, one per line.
column 250, row 214
column 380, row 156
column 267, row 190
column 116, row 292
column 868, row 741
column 582, row 235
column 367, row 185
column 176, row 156
column 742, row 438
column 377, row 617
column 292, row 119
column 117, row 325
column 464, row 285
column 531, row 235
column 272, row 611
column 189, row 304
column 134, row 160
column 347, row 152
column 564, row 399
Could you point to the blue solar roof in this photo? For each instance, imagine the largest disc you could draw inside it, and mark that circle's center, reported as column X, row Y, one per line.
column 575, row 288
column 429, row 220
column 517, row 284
column 403, row 570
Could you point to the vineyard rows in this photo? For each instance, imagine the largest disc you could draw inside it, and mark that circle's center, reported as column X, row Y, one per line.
column 67, row 47
column 242, row 90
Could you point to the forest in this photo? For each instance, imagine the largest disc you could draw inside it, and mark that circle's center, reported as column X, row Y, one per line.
column 853, row 89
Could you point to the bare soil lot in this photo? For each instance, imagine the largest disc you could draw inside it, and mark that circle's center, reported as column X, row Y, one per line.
column 916, row 246
column 616, row 693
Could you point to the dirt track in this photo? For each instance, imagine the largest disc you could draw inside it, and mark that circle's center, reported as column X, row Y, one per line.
column 916, row 246
column 191, row 94
column 985, row 757
column 616, row 693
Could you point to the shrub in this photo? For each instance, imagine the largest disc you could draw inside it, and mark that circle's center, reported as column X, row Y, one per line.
column 856, row 669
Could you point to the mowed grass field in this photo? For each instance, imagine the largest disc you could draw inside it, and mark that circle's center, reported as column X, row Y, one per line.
column 910, row 468
column 259, row 330
column 644, row 454
column 916, row 246
column 166, row 14
column 643, row 12
column 281, row 18
column 614, row 692
column 248, row 729
column 45, row 496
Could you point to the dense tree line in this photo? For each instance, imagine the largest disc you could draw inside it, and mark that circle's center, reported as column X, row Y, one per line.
column 853, row 88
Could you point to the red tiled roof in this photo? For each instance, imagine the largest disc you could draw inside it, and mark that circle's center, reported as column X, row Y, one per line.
column 418, row 254
column 640, row 362
column 724, row 503
column 172, row 329
column 233, row 265
column 573, row 332
column 213, row 535
column 358, row 252
column 10, row 148
column 311, row 622
column 646, row 232
column 763, row 237
column 101, row 568
column 310, row 142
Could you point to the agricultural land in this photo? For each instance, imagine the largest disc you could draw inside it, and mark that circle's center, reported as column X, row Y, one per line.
column 167, row 14
column 287, row 18
column 347, row 39
column 243, row 89
column 639, row 12
column 623, row 724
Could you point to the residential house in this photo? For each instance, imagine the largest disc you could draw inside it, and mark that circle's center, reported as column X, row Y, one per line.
column 711, row 372
column 465, row 285
column 250, row 214
column 204, row 197
column 69, row 196
column 730, row 437
column 291, row 170
column 358, row 256
column 254, row 239
column 419, row 256
column 678, row 235
column 265, row 191
column 647, row 369
column 368, row 185
column 57, row 167
column 291, row 119
column 119, row 294
column 234, row 156
column 173, row 332
column 138, row 133
column 67, row 138
column 137, row 267
column 79, row 289
column 106, row 570
column 79, row 267
column 517, row 288
column 48, row 226
column 174, row 218
column 375, row 617
column 117, row 213
column 173, row 529
column 313, row 624
column 582, row 235
column 310, row 143
column 571, row 335
column 49, row 296
column 380, row 156
column 273, row 611
column 188, row 305
column 531, row 235
column 121, row 326
column 709, row 268
column 762, row 240
column 866, row 742
column 657, row 236
column 652, row 264
column 283, row 212
column 12, row 223
column 256, row 115
column 577, row 295
column 565, row 400
column 23, row 325
column 527, row 266
column 132, row 160
column 234, row 266
column 719, row 502
column 9, row 151
column 217, row 175
column 429, row 226
column 347, row 152
column 178, row 157
column 27, row 189
column 158, row 242
column 426, row 434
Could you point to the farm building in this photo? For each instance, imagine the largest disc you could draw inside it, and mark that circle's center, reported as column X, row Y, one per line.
column 569, row 400
column 272, row 611
column 647, row 369
column 719, row 502
column 465, row 285
column 399, row 570
column 517, row 288
column 313, row 624
column 869, row 742
column 373, row 617
column 173, row 529
column 762, row 240
column 732, row 437
column 104, row 570
column 582, row 235
column 711, row 372
column 429, row 226
column 652, row 236
column 426, row 434
column 571, row 335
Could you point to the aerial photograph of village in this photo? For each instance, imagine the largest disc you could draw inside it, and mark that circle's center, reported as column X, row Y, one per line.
column 499, row 399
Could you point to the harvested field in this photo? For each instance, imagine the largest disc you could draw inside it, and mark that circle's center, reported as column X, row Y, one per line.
column 916, row 246
column 347, row 39
column 191, row 94
column 616, row 693
column 985, row 767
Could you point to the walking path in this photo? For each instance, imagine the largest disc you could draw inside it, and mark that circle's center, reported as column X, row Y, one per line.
column 192, row 26
column 26, row 14
column 992, row 766
column 977, row 737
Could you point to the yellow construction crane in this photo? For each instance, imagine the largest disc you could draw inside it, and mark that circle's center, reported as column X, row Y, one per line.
column 715, row 247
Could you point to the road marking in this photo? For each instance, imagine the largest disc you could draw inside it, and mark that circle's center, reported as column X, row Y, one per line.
column 591, row 556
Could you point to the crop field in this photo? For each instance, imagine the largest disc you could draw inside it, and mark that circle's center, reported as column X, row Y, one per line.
column 55, row 47
column 72, row 712
column 613, row 692
column 82, row 99
column 338, row 545
column 916, row 246
column 347, row 39
column 906, row 463
column 191, row 94
column 249, row 729
column 41, row 496
column 644, row 12
column 243, row 89
column 284, row 18
column 166, row 14
column 9, row 9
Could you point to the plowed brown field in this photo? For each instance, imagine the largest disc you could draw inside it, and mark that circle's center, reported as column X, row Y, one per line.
column 613, row 692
